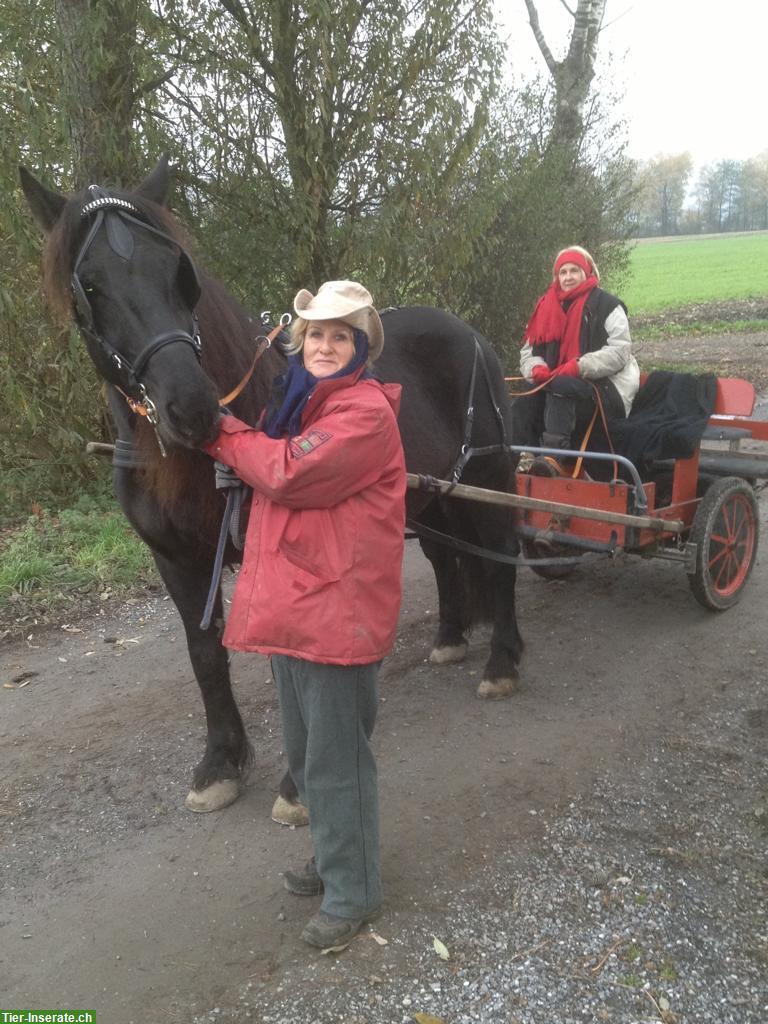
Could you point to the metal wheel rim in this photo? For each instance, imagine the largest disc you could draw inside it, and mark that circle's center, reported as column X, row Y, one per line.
column 731, row 545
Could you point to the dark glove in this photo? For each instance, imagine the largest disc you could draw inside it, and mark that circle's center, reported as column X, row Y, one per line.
column 540, row 374
column 225, row 476
column 569, row 369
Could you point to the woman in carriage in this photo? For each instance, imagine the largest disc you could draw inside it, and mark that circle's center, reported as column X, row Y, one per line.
column 576, row 348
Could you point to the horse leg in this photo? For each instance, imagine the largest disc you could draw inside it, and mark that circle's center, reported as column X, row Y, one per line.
column 287, row 809
column 219, row 777
column 500, row 676
column 228, row 757
column 450, row 645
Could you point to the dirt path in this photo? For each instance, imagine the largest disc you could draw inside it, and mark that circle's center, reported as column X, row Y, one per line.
column 732, row 354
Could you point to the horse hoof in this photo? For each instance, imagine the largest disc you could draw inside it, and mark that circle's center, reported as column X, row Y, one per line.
column 285, row 813
column 213, row 797
column 497, row 689
column 448, row 655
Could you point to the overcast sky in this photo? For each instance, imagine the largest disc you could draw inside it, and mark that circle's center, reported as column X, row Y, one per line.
column 694, row 73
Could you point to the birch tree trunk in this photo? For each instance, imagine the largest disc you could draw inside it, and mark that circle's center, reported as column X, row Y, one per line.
column 573, row 75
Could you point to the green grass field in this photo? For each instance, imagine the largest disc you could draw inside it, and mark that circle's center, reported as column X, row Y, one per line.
column 676, row 273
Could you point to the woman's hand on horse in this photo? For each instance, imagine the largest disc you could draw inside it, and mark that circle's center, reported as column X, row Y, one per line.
column 540, row 374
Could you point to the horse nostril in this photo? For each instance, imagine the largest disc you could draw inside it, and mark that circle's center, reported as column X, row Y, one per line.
column 175, row 415
column 193, row 422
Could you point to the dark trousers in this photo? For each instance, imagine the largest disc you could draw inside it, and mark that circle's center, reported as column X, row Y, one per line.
column 328, row 715
column 559, row 414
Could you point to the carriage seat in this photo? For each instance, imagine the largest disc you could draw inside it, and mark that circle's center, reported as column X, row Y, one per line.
column 735, row 397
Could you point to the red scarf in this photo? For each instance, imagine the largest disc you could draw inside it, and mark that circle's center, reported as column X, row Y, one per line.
column 550, row 322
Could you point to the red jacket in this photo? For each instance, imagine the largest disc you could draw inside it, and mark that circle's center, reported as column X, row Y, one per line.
column 321, row 573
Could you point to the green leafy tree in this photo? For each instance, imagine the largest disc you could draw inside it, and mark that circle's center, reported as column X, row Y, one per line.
column 332, row 123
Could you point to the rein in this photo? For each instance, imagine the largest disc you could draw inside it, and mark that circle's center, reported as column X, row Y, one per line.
column 467, row 452
column 264, row 342
column 599, row 408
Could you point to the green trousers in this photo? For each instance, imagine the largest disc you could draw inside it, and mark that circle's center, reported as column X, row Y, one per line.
column 328, row 715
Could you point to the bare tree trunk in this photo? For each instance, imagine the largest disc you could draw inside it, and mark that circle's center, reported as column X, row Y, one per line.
column 573, row 75
column 98, row 43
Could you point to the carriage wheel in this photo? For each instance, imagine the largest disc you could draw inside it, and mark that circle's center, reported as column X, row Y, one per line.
column 725, row 531
column 546, row 549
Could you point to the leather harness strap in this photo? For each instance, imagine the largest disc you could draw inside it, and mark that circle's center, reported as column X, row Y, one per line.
column 264, row 342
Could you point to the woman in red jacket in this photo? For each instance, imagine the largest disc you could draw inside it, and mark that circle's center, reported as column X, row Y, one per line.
column 320, row 585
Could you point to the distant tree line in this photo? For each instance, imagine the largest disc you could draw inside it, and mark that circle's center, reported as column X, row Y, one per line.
column 730, row 195
column 310, row 139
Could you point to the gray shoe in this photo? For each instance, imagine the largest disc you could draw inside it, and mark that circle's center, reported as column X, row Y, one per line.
column 326, row 930
column 305, row 881
column 525, row 462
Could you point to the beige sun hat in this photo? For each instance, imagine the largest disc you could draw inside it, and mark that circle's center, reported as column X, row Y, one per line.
column 347, row 301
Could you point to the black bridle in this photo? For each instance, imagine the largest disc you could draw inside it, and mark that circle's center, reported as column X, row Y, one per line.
column 116, row 214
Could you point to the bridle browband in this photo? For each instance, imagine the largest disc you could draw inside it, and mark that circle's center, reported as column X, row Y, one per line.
column 102, row 207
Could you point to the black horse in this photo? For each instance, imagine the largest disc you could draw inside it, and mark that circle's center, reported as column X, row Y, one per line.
column 118, row 264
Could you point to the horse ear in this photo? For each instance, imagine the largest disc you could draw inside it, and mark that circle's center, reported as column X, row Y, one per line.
column 45, row 204
column 155, row 186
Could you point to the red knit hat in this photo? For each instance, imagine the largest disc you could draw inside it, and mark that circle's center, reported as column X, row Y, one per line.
column 573, row 256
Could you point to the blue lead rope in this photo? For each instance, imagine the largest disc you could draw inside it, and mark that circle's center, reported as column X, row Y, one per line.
column 230, row 524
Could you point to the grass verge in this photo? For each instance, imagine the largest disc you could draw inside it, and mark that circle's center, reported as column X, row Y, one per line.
column 681, row 329
column 57, row 558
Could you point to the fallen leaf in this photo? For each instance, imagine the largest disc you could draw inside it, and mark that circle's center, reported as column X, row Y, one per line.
column 440, row 948
column 333, row 949
column 427, row 1018
column 378, row 938
column 23, row 675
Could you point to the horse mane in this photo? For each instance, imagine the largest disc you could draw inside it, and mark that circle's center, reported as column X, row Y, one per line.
column 228, row 336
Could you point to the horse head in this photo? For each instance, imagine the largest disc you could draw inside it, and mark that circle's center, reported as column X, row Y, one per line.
column 116, row 264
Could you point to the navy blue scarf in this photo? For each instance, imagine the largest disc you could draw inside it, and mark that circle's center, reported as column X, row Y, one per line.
column 293, row 388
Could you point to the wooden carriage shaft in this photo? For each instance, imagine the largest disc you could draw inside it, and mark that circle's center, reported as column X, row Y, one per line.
column 417, row 482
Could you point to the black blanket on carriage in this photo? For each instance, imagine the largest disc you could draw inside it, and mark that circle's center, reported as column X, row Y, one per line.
column 668, row 417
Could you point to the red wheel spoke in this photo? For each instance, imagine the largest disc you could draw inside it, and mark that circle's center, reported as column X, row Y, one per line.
column 734, row 566
column 742, row 530
column 714, row 559
column 726, row 519
column 739, row 518
column 723, row 569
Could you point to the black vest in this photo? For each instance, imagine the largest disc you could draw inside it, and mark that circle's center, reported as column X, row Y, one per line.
column 593, row 335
